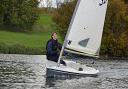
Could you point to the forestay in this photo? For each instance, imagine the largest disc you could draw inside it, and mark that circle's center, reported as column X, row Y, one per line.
column 86, row 27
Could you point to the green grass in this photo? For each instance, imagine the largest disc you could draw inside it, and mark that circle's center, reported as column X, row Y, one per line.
column 28, row 43
column 28, row 40
column 45, row 20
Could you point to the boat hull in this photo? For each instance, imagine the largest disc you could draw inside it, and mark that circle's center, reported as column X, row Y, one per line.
column 51, row 73
column 69, row 71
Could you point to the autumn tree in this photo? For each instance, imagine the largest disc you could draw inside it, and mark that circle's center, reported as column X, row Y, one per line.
column 115, row 38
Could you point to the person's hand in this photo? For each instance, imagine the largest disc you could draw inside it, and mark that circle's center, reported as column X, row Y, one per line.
column 65, row 53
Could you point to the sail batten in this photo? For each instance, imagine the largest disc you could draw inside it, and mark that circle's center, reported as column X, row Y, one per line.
column 86, row 27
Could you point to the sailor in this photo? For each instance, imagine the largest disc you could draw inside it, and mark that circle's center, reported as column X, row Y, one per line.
column 53, row 49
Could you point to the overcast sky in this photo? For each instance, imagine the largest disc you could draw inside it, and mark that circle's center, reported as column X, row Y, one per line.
column 44, row 4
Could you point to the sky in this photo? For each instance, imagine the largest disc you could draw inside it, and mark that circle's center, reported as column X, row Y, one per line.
column 44, row 4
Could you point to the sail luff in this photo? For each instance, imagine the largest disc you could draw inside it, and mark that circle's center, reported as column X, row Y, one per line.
column 72, row 20
column 65, row 41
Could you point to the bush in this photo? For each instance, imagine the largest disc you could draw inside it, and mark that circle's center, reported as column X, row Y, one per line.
column 20, row 49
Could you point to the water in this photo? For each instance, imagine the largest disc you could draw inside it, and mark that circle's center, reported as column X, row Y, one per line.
column 22, row 72
column 29, row 72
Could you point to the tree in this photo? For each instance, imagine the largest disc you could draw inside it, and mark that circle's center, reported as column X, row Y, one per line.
column 58, row 3
column 126, row 1
column 49, row 5
column 18, row 14
column 115, row 38
column 63, row 15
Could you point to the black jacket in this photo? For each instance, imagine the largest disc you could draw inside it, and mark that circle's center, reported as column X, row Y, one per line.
column 53, row 47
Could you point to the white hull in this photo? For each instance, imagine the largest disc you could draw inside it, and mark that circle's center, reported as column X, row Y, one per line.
column 72, row 69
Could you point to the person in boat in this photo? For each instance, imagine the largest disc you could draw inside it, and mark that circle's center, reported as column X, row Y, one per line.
column 53, row 49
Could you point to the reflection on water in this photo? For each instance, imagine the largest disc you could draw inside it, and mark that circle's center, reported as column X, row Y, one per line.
column 29, row 72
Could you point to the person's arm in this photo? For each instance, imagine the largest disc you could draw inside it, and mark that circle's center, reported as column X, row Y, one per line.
column 59, row 46
column 49, row 48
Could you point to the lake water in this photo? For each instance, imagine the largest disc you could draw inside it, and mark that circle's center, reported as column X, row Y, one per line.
column 29, row 72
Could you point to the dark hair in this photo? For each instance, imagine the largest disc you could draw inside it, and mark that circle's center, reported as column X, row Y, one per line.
column 53, row 34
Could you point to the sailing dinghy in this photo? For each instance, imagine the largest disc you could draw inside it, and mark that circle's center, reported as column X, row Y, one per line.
column 83, row 37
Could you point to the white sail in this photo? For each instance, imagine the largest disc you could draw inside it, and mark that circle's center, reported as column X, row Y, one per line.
column 86, row 28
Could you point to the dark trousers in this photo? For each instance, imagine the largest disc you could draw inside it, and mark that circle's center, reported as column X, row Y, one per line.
column 55, row 59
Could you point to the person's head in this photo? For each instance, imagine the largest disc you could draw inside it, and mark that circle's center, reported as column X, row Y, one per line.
column 54, row 36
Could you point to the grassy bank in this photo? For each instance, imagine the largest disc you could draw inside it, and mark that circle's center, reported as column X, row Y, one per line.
column 28, row 43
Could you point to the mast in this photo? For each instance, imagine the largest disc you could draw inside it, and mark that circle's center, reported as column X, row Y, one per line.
column 66, row 41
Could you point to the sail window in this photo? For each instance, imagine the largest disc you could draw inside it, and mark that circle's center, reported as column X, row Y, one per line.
column 84, row 42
